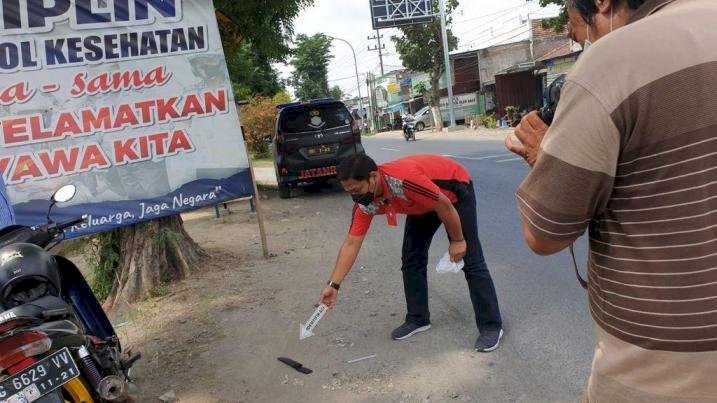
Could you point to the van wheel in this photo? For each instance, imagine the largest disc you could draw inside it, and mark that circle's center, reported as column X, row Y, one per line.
column 284, row 191
column 420, row 126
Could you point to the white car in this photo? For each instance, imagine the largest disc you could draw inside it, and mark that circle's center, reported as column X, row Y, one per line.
column 423, row 118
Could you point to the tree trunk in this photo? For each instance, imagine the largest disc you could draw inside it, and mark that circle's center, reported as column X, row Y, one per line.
column 436, row 101
column 152, row 254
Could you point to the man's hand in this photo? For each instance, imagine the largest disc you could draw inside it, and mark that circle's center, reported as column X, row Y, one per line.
column 329, row 296
column 457, row 249
column 530, row 132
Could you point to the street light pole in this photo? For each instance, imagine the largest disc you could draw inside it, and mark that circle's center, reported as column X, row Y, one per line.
column 358, row 82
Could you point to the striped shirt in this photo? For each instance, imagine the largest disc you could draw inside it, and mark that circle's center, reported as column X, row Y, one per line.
column 632, row 158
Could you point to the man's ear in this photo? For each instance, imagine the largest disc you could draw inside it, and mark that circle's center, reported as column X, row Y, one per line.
column 603, row 6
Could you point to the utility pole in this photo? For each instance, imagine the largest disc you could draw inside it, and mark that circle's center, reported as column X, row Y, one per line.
column 446, row 60
column 370, row 100
column 378, row 47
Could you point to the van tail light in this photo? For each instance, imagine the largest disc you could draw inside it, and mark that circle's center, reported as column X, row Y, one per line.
column 284, row 170
column 22, row 346
column 280, row 138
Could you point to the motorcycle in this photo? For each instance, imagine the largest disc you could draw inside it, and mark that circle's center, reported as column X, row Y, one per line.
column 56, row 342
column 409, row 128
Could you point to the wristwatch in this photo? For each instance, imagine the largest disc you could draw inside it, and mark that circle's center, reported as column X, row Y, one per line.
column 333, row 285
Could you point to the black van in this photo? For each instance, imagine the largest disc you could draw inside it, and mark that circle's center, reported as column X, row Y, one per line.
column 311, row 139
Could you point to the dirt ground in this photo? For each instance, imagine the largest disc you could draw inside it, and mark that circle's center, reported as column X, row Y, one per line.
column 215, row 337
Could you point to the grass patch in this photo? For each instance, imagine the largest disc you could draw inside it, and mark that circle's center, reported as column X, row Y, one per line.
column 267, row 162
column 160, row 290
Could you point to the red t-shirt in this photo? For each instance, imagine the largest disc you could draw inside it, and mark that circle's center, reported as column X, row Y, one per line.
column 410, row 186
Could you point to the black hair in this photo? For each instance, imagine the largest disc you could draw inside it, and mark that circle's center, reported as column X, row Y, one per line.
column 357, row 167
column 588, row 8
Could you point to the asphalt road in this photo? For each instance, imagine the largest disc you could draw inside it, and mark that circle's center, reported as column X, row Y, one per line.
column 545, row 355
column 549, row 338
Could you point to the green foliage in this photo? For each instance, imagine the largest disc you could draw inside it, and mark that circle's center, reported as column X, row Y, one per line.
column 420, row 88
column 282, row 97
column 258, row 119
column 310, row 62
column 160, row 290
column 336, row 93
column 488, row 121
column 102, row 254
column 256, row 33
column 267, row 25
column 558, row 23
column 251, row 73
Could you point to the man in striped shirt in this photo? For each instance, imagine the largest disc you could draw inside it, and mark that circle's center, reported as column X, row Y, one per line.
column 431, row 191
column 632, row 158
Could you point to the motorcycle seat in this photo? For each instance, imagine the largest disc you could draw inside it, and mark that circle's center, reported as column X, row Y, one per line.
column 40, row 308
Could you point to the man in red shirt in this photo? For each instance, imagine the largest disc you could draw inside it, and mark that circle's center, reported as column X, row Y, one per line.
column 430, row 190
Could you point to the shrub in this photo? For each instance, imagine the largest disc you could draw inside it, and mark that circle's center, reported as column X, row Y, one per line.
column 488, row 121
column 258, row 119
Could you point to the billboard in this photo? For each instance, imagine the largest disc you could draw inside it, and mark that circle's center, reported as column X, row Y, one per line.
column 129, row 100
column 395, row 13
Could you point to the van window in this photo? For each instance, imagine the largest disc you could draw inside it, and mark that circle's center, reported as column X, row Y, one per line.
column 312, row 118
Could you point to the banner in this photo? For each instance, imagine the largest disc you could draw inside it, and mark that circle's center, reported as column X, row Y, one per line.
column 129, row 100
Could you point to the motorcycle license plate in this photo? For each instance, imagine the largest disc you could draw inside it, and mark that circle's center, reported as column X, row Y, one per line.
column 40, row 378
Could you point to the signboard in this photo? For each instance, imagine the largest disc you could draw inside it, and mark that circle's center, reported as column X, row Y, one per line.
column 463, row 104
column 395, row 13
column 128, row 100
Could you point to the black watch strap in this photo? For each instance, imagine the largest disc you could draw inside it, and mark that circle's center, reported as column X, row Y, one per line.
column 333, row 285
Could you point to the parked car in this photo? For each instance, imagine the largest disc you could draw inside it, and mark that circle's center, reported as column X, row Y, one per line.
column 311, row 139
column 423, row 118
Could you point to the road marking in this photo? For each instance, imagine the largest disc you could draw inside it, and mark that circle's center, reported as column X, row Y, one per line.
column 390, row 149
column 510, row 159
column 477, row 158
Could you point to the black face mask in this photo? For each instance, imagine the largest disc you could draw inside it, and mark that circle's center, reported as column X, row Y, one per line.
column 364, row 199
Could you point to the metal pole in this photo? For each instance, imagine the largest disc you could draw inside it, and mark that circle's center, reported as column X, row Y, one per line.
column 447, row 61
column 380, row 54
column 358, row 82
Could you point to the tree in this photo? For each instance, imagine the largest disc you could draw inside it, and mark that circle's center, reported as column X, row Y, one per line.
column 267, row 25
column 311, row 66
column 255, row 34
column 557, row 23
column 336, row 93
column 421, row 49
column 140, row 258
column 252, row 74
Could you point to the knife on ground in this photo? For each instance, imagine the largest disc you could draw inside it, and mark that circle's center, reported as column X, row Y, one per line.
column 294, row 364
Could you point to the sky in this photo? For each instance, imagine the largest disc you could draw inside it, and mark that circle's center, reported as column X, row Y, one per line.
column 476, row 23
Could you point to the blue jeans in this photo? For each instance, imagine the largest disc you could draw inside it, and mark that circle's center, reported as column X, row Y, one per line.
column 417, row 238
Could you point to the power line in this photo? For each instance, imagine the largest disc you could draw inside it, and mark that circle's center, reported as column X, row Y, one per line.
column 504, row 11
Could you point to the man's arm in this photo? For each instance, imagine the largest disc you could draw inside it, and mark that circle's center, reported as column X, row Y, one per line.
column 541, row 245
column 452, row 221
column 347, row 257
column 344, row 262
